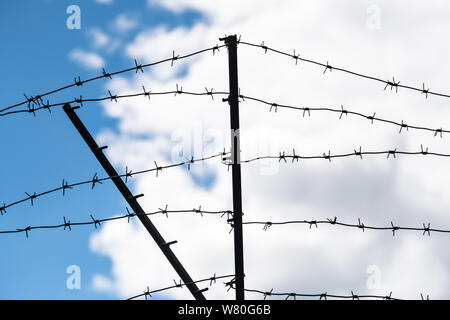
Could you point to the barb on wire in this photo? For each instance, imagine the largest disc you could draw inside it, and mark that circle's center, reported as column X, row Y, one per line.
column 392, row 84
column 215, row 48
column 423, row 298
column 296, row 57
column 32, row 101
column 65, row 185
column 95, row 221
column 178, row 90
column 138, row 67
column 47, row 107
column 78, row 82
column 106, row 74
column 76, row 100
column 264, row 47
column 327, row 67
column 128, row 174
column 210, row 92
column 37, row 100
column 96, row 180
column 146, row 94
column 115, row 97
column 112, row 97
column 341, row 111
column 211, row 280
column 30, row 197
column 67, row 224
column 328, row 156
column 425, row 91
column 426, row 229
column 388, row 83
column 174, row 57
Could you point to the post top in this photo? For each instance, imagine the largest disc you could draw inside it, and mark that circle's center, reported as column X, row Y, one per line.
column 228, row 38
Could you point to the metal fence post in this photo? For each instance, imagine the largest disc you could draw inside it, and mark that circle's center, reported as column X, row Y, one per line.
column 233, row 100
column 131, row 199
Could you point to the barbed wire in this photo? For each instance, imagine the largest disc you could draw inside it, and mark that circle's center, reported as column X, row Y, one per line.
column 392, row 84
column 295, row 157
column 344, row 111
column 114, row 97
column 96, row 180
column 67, row 224
column 36, row 103
column 426, row 229
column 321, row 296
column 209, row 92
column 37, row 100
column 179, row 284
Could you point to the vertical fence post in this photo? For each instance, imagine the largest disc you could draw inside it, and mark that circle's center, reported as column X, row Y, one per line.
column 233, row 101
column 140, row 213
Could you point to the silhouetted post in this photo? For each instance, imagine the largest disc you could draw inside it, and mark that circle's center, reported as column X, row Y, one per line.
column 140, row 213
column 233, row 101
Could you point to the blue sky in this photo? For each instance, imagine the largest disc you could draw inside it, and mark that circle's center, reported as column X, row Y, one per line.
column 378, row 38
column 38, row 152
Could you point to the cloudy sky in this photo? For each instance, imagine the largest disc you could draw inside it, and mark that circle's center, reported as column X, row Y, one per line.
column 119, row 260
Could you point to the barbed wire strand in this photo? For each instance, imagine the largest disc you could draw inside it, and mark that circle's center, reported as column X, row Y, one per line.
column 37, row 100
column 426, row 229
column 320, row 296
column 295, row 157
column 392, row 84
column 96, row 180
column 67, row 224
column 179, row 284
column 115, row 97
column 344, row 111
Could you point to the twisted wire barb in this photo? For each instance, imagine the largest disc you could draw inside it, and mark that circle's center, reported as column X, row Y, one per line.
column 341, row 111
column 392, row 84
column 426, row 229
column 67, row 224
column 128, row 174
column 114, row 97
column 37, row 100
column 179, row 284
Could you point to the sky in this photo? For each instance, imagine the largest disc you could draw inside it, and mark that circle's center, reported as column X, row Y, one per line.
column 118, row 259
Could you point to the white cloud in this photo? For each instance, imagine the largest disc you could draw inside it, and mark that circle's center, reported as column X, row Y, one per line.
column 104, row 1
column 99, row 38
column 88, row 60
column 153, row 44
column 100, row 283
column 125, row 23
column 408, row 191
